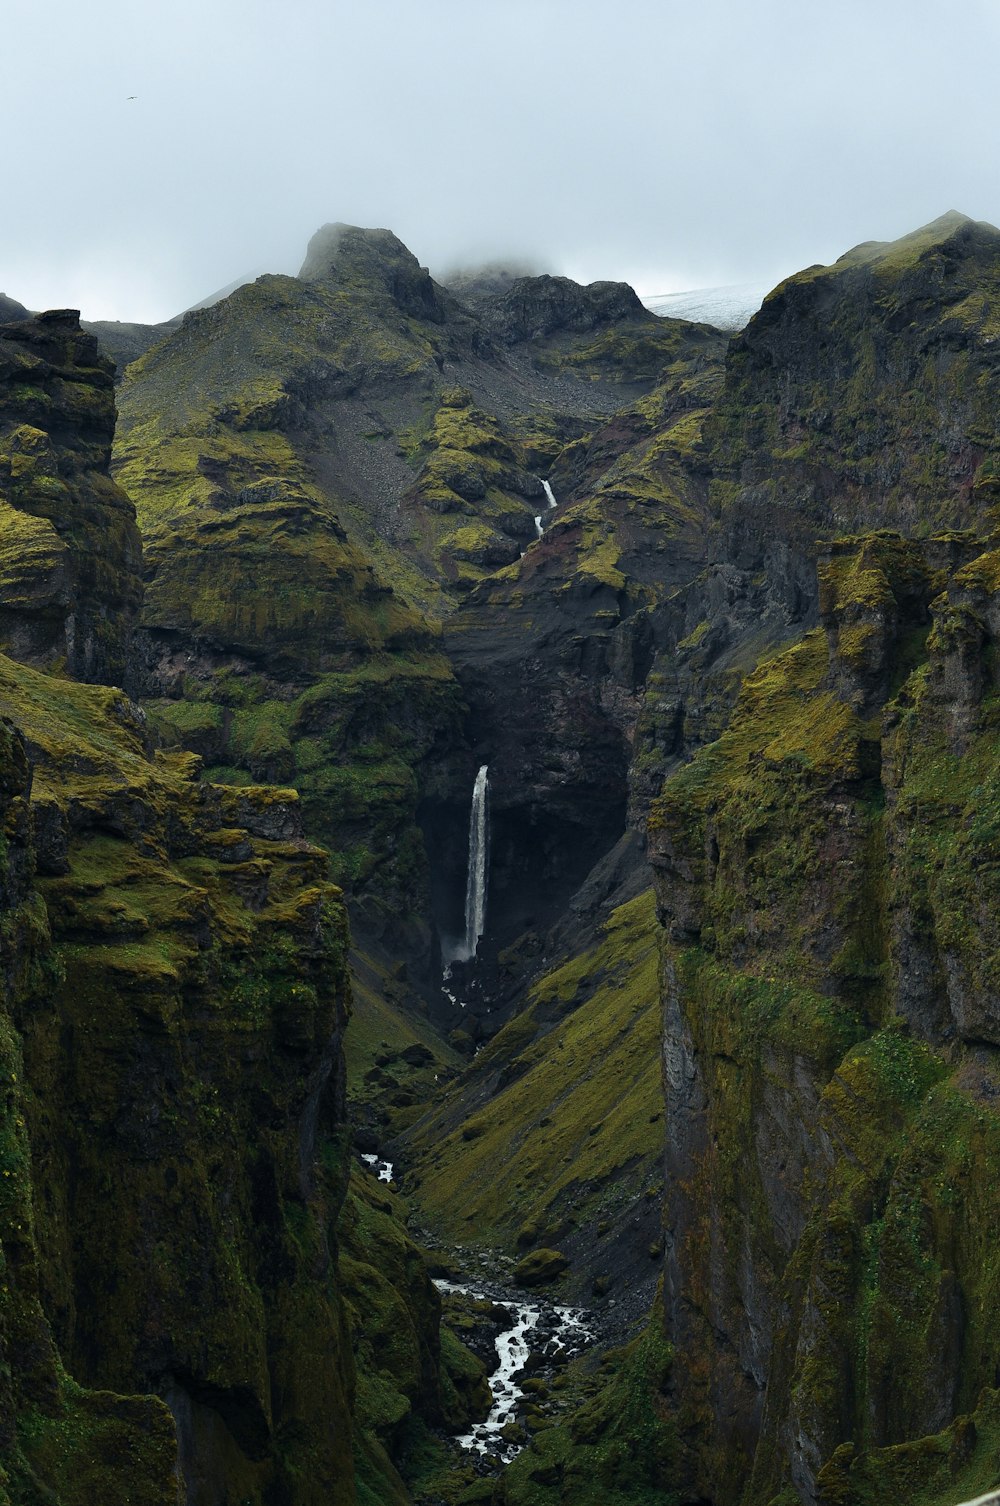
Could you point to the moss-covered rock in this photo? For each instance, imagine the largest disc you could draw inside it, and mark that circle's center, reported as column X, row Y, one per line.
column 617, row 1442
column 860, row 396
column 540, row 1267
column 199, row 971
column 70, row 581
column 828, row 996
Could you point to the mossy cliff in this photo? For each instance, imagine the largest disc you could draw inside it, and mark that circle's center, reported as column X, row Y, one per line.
column 862, row 395
column 70, row 580
column 183, row 1100
column 826, row 878
column 553, row 652
column 174, row 1322
column 58, row 1440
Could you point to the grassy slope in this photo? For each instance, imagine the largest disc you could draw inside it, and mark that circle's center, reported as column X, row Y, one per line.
column 572, row 1135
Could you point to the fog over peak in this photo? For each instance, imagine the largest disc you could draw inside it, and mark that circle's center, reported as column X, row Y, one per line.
column 166, row 149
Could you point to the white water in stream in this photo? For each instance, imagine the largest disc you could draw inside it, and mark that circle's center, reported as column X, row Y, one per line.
column 383, row 1168
column 479, row 841
column 565, row 1326
column 549, row 494
column 538, row 525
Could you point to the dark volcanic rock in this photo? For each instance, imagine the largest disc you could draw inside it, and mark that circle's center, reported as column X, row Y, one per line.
column 341, row 254
column 538, row 306
column 861, row 396
column 125, row 342
column 70, row 581
column 11, row 311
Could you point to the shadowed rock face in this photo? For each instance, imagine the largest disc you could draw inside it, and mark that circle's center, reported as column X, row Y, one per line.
column 826, row 879
column 341, row 254
column 537, row 306
column 860, row 396
column 173, row 1003
column 70, row 583
column 12, row 311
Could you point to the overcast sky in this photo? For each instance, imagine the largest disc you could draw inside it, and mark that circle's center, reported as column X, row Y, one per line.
column 673, row 145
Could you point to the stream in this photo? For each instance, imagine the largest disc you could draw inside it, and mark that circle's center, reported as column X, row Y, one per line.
column 538, row 1327
column 383, row 1169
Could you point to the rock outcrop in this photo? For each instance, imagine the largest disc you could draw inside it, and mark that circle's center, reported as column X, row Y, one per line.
column 859, row 397
column 70, row 583
column 533, row 307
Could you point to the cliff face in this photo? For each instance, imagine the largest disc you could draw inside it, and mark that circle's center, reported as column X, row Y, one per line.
column 70, row 582
column 174, row 1002
column 860, row 396
column 176, row 1320
column 183, row 1067
column 58, row 1441
column 826, row 879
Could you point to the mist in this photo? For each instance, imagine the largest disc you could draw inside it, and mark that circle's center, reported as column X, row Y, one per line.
column 670, row 146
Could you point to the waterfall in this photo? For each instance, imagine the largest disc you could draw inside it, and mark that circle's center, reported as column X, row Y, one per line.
column 549, row 493
column 479, row 842
column 538, row 525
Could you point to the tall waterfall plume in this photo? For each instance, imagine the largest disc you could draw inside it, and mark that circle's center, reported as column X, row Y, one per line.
column 549, row 494
column 479, row 853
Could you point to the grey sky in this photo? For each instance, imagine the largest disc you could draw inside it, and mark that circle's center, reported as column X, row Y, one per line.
column 674, row 145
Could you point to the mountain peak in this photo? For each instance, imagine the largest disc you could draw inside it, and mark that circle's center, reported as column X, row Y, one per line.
column 11, row 311
column 916, row 242
column 348, row 255
column 533, row 307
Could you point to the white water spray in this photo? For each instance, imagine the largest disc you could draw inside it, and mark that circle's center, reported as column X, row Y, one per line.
column 549, row 494
column 538, row 525
column 533, row 1325
column 479, row 841
column 382, row 1169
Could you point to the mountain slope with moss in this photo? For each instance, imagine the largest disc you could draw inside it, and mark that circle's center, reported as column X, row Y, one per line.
column 553, row 1135
column 322, row 466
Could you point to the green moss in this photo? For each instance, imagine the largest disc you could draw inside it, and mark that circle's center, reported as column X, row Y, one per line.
column 843, row 373
column 98, row 1446
column 533, row 1158
column 824, row 864
column 199, row 971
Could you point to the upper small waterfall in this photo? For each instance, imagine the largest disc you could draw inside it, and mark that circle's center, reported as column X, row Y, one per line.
column 549, row 493
column 479, row 843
